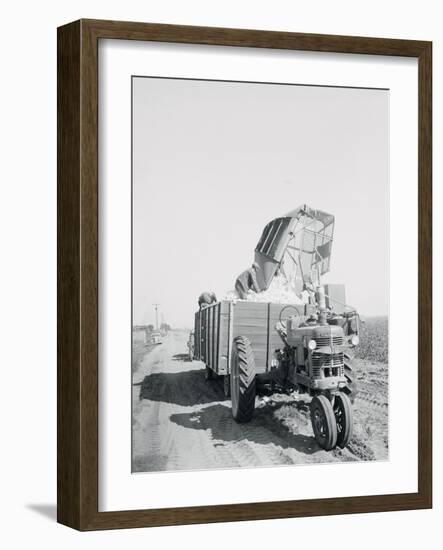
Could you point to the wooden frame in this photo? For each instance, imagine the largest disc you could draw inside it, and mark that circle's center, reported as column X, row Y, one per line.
column 77, row 455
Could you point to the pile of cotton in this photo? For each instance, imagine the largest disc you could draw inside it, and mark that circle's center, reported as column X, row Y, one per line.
column 279, row 292
column 231, row 295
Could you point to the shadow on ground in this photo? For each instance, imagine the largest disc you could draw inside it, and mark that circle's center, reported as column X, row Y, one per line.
column 186, row 388
column 48, row 511
column 263, row 429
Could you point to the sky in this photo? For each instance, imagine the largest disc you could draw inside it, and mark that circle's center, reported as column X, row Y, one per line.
column 213, row 162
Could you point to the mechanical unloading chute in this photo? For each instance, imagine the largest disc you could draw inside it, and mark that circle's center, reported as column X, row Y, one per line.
column 297, row 245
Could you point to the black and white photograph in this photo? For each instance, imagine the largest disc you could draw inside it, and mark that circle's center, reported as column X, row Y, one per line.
column 260, row 274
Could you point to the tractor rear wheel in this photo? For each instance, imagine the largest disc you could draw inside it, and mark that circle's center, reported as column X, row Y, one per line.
column 344, row 419
column 242, row 379
column 323, row 422
column 351, row 388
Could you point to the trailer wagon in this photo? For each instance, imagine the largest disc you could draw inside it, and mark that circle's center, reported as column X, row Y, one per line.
column 218, row 325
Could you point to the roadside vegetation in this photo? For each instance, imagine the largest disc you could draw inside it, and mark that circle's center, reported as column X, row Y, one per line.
column 374, row 339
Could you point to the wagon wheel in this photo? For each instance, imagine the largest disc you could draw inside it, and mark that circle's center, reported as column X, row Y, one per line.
column 242, row 380
column 344, row 419
column 227, row 385
column 323, row 422
column 351, row 388
column 209, row 374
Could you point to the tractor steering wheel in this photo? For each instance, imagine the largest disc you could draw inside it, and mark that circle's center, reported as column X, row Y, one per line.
column 295, row 314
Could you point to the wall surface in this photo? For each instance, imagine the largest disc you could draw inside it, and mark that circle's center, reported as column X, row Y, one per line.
column 28, row 273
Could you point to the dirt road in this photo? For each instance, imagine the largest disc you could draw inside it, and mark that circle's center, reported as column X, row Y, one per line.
column 183, row 422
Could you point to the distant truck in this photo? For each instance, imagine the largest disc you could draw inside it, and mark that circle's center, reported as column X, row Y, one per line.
column 155, row 338
column 306, row 347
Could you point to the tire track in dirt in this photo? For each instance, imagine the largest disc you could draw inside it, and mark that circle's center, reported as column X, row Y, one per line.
column 183, row 422
column 365, row 396
column 371, row 412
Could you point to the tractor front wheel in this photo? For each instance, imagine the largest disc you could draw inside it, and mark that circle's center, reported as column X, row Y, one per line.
column 323, row 422
column 242, row 379
column 344, row 419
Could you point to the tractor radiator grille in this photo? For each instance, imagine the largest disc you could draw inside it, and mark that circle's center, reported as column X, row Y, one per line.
column 327, row 365
column 326, row 341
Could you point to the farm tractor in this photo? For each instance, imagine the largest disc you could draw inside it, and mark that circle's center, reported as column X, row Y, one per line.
column 306, row 346
column 316, row 358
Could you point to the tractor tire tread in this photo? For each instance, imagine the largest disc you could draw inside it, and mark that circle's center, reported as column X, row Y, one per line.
column 331, row 439
column 344, row 437
column 351, row 389
column 246, row 367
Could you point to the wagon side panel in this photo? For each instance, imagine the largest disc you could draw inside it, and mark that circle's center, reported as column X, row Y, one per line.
column 197, row 337
column 211, row 336
column 251, row 321
column 216, row 327
column 258, row 321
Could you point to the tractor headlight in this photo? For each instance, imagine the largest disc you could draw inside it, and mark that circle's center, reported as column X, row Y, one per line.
column 355, row 340
column 312, row 344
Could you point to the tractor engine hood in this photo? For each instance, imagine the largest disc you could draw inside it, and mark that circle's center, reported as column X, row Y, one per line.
column 327, row 337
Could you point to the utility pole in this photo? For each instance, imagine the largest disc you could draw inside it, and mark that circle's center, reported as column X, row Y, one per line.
column 156, row 315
